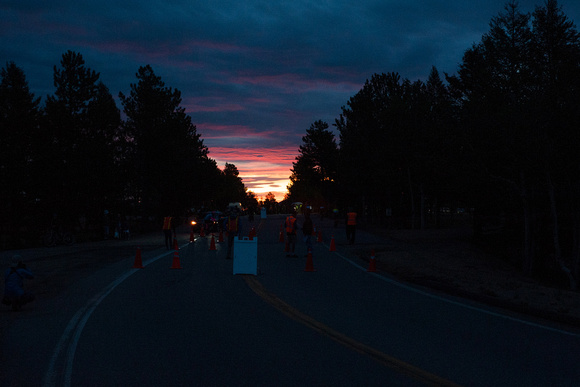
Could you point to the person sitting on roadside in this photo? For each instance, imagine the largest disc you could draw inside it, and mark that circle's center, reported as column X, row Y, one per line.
column 14, row 276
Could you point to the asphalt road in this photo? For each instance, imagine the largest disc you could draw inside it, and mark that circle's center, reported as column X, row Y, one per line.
column 202, row 325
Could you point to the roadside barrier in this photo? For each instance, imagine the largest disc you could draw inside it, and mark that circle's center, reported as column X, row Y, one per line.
column 176, row 263
column 309, row 264
column 138, row 261
column 372, row 263
column 212, row 244
column 332, row 245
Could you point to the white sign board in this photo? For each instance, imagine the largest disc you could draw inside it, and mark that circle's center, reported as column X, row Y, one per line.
column 246, row 256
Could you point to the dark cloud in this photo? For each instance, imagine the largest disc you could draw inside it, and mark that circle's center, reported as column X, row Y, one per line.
column 253, row 74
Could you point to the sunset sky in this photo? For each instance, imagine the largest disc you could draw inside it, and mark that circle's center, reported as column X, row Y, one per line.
column 254, row 75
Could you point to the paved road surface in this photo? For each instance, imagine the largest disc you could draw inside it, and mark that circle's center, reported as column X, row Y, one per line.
column 339, row 325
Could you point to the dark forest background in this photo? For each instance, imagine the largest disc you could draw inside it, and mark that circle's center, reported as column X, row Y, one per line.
column 497, row 143
column 74, row 162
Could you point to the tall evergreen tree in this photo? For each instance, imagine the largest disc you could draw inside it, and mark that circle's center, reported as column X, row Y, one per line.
column 170, row 162
column 493, row 90
column 102, row 144
column 251, row 202
column 232, row 188
column 81, row 124
column 556, row 58
column 369, row 127
column 516, row 90
column 19, row 122
column 431, row 149
column 314, row 172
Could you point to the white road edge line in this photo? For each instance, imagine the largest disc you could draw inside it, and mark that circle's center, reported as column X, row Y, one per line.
column 73, row 330
column 457, row 303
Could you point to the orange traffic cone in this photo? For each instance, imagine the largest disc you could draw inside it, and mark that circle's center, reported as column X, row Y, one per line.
column 202, row 232
column 309, row 263
column 138, row 262
column 372, row 263
column 176, row 264
column 221, row 237
column 332, row 245
column 212, row 244
column 319, row 236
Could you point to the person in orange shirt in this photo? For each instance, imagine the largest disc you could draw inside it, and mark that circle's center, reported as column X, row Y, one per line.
column 291, row 226
column 350, row 226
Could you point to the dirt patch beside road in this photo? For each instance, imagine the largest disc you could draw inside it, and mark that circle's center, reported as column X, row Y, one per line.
column 446, row 260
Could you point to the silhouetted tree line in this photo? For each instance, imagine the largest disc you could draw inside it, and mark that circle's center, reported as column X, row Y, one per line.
column 500, row 137
column 68, row 161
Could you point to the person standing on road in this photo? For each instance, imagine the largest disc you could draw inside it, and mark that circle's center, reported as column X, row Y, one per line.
column 106, row 224
column 168, row 231
column 291, row 226
column 308, row 231
column 350, row 226
column 14, row 276
column 233, row 228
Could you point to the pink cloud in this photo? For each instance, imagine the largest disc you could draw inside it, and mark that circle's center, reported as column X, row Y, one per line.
column 211, row 131
column 256, row 157
column 193, row 107
column 123, row 47
column 259, row 100
column 233, row 129
column 262, row 170
column 218, row 105
column 212, row 45
column 297, row 81
column 162, row 48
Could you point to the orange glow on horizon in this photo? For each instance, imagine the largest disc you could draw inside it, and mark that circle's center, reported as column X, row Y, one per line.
column 262, row 170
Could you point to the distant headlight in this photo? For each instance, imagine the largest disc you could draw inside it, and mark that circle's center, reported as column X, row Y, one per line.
column 193, row 222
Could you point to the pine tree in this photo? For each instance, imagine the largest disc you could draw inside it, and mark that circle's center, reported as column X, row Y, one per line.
column 314, row 172
column 80, row 128
column 19, row 122
column 170, row 163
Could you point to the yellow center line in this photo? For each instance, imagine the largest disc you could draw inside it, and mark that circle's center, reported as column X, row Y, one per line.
column 389, row 361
